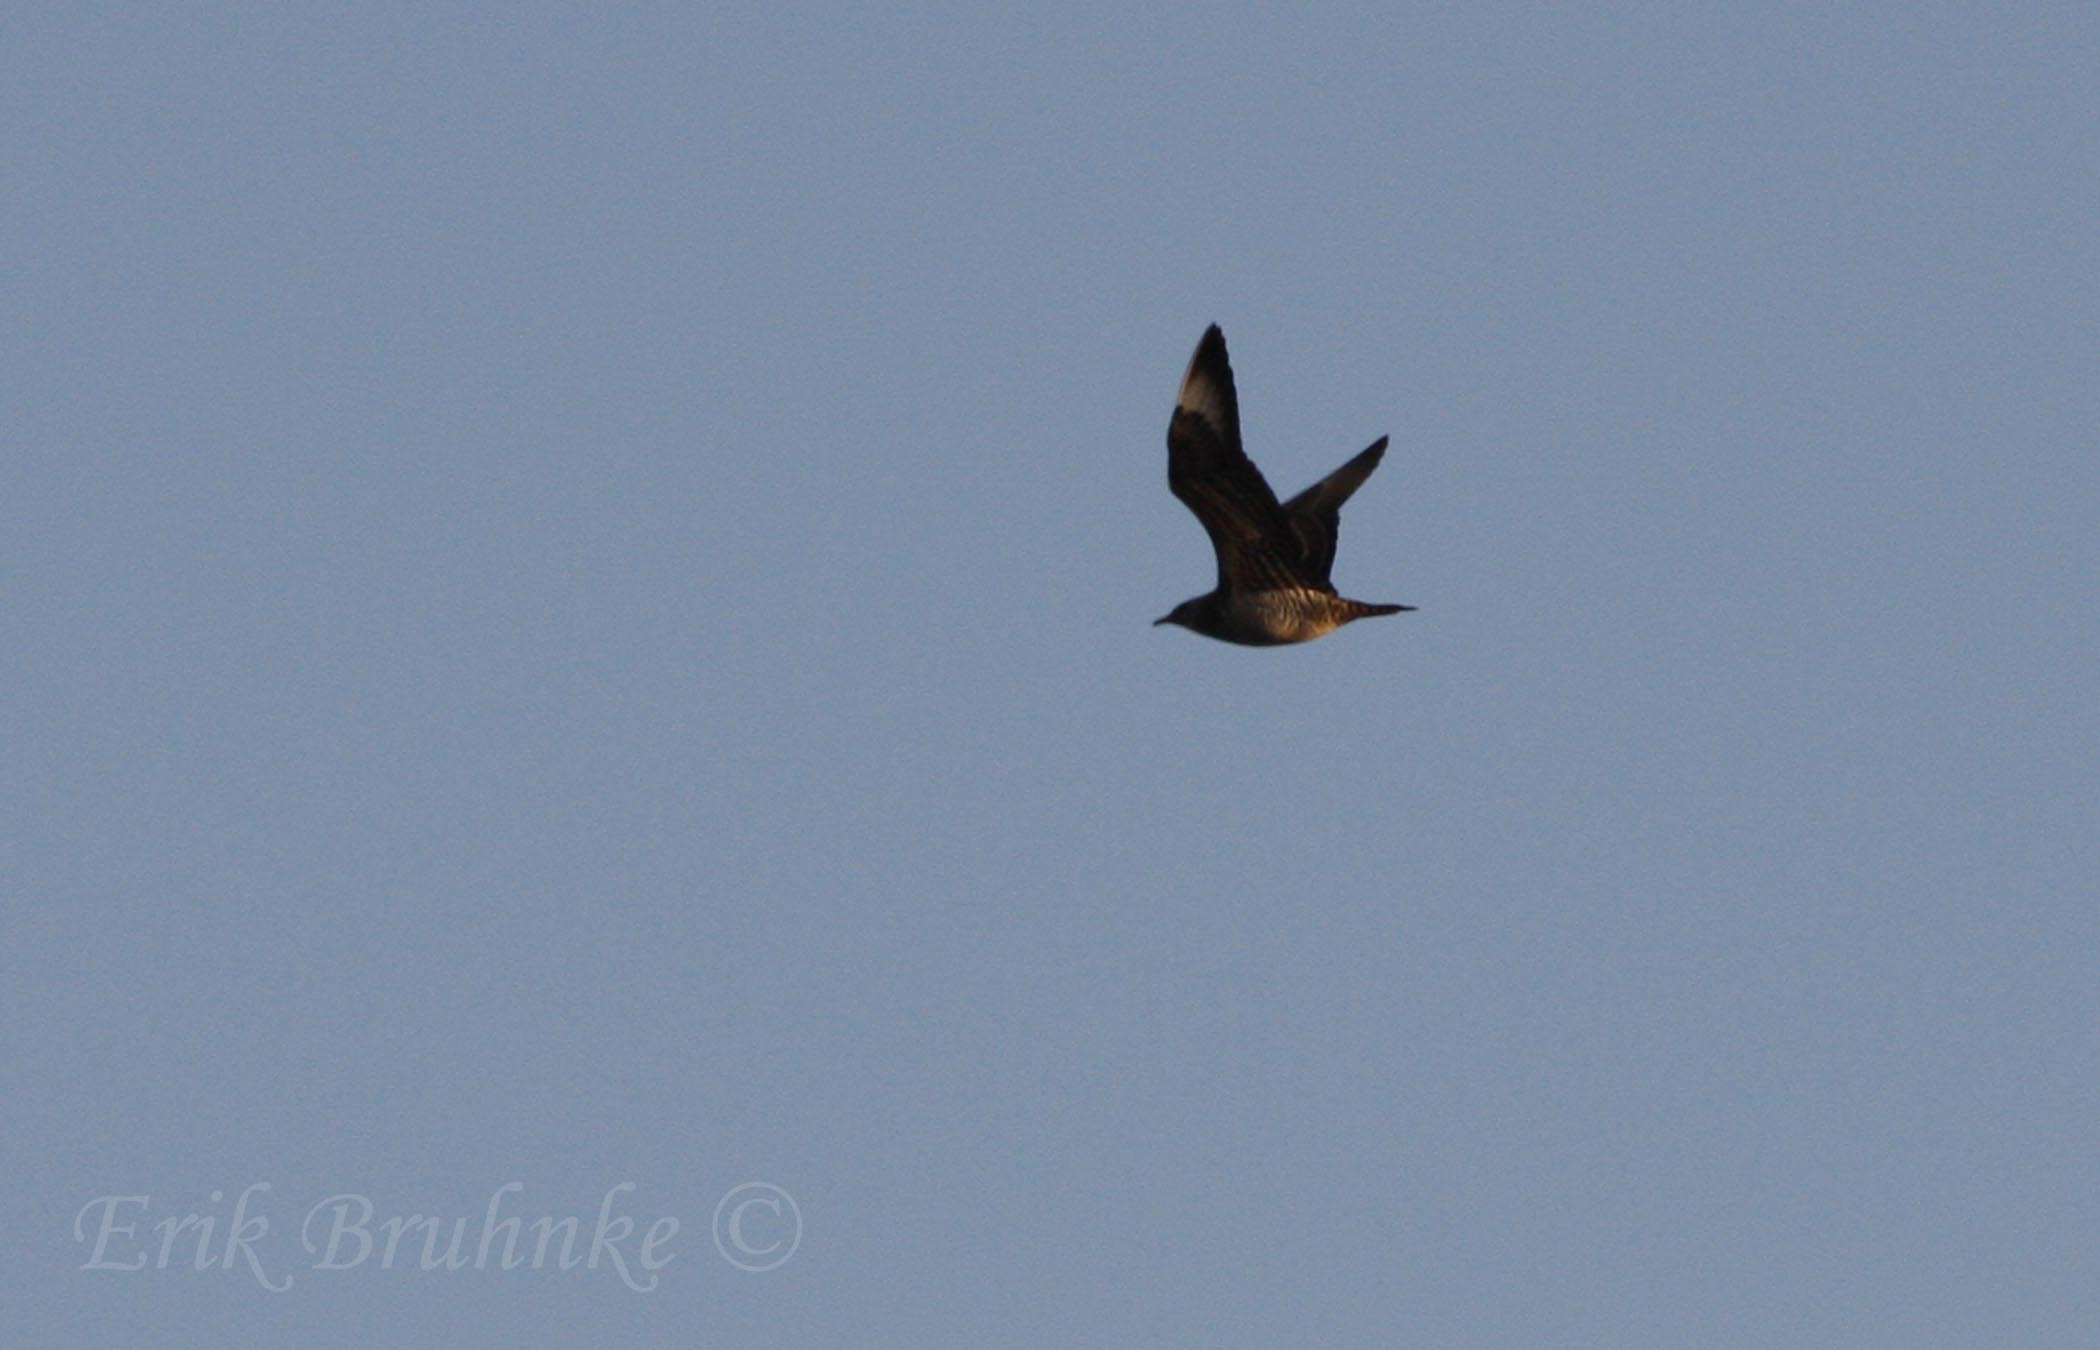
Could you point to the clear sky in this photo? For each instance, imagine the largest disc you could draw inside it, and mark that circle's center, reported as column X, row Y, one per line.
column 577, row 593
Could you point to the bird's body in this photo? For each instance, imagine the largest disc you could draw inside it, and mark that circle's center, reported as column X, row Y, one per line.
column 1273, row 559
column 1271, row 618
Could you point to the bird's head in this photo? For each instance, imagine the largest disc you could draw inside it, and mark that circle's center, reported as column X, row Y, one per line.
column 1186, row 614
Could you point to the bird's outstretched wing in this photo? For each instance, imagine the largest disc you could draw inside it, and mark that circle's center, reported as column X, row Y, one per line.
column 1315, row 515
column 1210, row 472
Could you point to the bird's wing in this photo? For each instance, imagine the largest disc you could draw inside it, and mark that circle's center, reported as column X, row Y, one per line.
column 1210, row 472
column 1315, row 515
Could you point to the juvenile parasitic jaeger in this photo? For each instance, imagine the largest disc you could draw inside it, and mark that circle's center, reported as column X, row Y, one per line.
column 1273, row 560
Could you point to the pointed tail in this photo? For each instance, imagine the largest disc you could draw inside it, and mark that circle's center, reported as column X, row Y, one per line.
column 1360, row 610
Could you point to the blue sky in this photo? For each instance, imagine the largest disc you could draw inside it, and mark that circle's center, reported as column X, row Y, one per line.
column 578, row 589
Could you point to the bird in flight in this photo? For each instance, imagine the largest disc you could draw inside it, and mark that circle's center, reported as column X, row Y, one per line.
column 1273, row 560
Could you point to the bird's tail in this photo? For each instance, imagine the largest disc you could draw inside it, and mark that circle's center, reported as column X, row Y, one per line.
column 1358, row 609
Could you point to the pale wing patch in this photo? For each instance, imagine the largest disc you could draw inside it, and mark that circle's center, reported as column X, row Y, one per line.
column 1202, row 395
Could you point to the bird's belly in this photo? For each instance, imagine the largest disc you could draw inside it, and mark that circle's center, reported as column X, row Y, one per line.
column 1274, row 618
